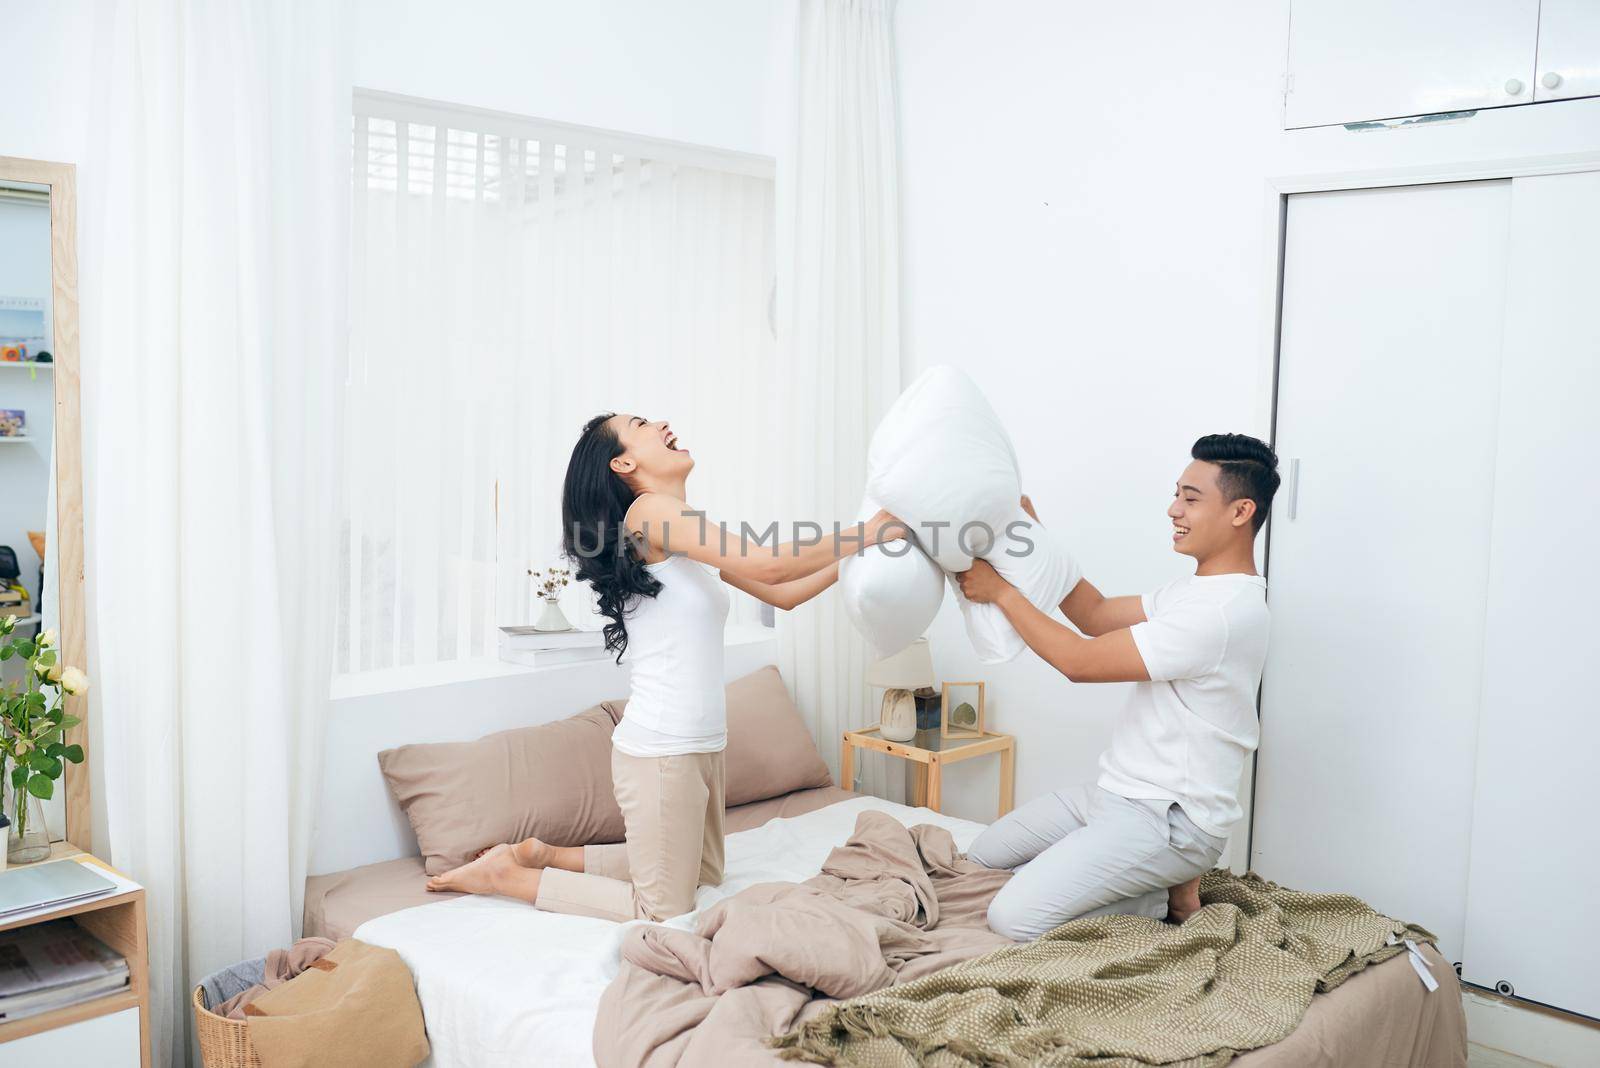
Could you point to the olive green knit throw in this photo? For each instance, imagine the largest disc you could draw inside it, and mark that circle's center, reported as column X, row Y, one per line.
column 1119, row 991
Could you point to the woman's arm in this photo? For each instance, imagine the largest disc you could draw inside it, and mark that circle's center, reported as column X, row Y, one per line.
column 787, row 595
column 671, row 526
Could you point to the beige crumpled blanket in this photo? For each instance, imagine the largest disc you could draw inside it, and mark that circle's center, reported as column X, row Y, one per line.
column 890, row 906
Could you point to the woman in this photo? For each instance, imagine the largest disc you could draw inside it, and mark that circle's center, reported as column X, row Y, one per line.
column 628, row 527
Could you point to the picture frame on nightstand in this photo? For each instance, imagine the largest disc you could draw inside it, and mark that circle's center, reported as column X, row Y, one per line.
column 961, row 710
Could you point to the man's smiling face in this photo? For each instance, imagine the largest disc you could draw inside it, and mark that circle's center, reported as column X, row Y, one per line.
column 1203, row 519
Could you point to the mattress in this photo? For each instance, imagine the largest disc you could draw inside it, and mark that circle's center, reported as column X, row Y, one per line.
column 339, row 903
column 505, row 984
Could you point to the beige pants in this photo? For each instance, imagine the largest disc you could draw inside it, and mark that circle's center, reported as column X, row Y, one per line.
column 672, row 814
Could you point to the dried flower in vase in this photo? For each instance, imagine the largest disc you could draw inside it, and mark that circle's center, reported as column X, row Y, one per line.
column 550, row 581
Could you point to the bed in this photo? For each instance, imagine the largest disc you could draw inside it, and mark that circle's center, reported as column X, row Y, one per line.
column 497, row 979
column 501, row 983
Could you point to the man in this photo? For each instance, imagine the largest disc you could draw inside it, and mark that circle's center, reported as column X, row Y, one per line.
column 1137, row 839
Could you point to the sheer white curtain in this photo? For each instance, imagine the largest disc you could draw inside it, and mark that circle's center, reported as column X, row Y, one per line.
column 213, row 295
column 511, row 278
column 839, row 322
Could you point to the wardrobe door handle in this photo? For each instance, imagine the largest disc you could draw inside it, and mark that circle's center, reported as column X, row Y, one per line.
column 1551, row 79
column 1294, row 488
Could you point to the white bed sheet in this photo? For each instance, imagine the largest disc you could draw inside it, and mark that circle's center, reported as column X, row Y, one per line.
column 502, row 983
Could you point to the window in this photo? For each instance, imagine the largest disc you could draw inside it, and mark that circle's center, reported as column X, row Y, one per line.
column 510, row 278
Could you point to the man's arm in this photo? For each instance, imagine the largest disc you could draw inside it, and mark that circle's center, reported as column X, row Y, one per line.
column 1111, row 657
column 1095, row 614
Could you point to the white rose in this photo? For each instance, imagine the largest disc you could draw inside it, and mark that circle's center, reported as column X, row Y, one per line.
column 53, row 672
column 74, row 681
column 48, row 637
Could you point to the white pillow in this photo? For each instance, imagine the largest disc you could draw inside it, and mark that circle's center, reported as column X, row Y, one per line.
column 942, row 461
column 1029, row 559
column 891, row 592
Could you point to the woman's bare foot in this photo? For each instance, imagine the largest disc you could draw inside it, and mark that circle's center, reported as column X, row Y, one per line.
column 1183, row 901
column 475, row 876
column 496, row 872
column 530, row 852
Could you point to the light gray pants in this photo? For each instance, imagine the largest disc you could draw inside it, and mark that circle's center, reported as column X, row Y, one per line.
column 1085, row 851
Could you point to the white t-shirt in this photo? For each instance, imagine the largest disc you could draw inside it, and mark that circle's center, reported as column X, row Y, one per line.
column 676, row 700
column 1186, row 733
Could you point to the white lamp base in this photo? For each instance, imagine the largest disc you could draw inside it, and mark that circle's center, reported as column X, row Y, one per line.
column 897, row 722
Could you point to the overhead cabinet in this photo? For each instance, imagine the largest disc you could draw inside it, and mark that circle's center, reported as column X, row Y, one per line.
column 1369, row 60
column 1569, row 50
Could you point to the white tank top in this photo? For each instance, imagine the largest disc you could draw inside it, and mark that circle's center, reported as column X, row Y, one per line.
column 676, row 702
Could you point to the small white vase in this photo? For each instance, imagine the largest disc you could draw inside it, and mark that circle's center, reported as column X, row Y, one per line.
column 551, row 620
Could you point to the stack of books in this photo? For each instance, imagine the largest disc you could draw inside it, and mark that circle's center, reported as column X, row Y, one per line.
column 52, row 965
column 540, row 648
column 13, row 601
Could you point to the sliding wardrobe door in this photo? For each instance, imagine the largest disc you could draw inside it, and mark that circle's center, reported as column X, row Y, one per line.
column 1533, row 896
column 1389, row 369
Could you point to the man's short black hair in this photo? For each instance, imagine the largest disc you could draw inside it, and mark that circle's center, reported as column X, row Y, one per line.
column 1249, row 469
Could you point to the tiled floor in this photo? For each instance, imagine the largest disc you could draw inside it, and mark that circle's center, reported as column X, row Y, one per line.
column 1484, row 1057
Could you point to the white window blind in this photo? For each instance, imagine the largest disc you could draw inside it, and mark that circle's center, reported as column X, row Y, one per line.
column 510, row 278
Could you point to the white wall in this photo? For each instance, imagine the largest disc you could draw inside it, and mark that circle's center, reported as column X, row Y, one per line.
column 697, row 72
column 48, row 50
column 1083, row 232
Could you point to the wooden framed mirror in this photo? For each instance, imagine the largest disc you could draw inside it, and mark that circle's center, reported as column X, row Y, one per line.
column 41, row 476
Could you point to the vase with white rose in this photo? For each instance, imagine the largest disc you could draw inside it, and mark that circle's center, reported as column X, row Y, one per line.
column 548, row 584
column 33, row 727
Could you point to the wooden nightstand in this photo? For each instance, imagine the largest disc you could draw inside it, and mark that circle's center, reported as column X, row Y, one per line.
column 929, row 753
column 113, row 1029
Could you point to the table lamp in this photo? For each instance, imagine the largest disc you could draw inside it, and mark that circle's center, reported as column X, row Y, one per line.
column 909, row 669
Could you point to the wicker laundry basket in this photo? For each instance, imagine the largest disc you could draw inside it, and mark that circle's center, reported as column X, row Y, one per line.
column 224, row 1043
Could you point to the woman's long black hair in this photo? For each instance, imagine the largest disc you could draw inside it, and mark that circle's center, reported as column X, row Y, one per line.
column 594, row 533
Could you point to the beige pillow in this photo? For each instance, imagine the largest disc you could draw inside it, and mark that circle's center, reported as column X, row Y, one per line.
column 552, row 781
column 770, row 749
